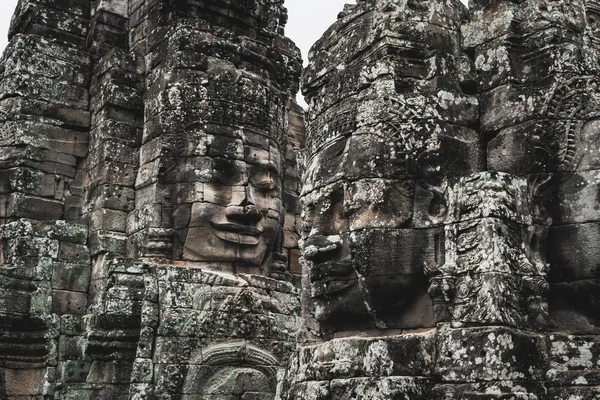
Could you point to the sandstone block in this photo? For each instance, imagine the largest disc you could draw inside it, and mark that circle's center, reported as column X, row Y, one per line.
column 68, row 302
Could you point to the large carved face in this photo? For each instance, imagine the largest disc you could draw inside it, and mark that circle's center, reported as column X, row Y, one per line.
column 238, row 217
column 366, row 268
column 333, row 281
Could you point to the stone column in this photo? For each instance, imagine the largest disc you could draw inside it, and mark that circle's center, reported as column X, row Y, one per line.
column 218, row 317
column 44, row 127
column 113, row 317
column 491, row 292
column 536, row 64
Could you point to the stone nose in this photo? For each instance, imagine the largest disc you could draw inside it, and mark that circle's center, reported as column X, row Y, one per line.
column 249, row 199
column 245, row 213
column 251, row 212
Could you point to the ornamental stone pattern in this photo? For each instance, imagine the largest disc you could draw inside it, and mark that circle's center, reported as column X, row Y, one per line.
column 174, row 226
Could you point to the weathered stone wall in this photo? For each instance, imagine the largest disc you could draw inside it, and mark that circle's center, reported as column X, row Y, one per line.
column 45, row 117
column 539, row 59
column 391, row 126
column 154, row 166
column 210, row 335
column 506, row 199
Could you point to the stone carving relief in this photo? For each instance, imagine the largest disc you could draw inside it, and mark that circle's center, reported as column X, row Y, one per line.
column 224, row 183
column 378, row 159
column 246, row 223
column 157, row 143
column 237, row 370
column 575, row 101
column 152, row 160
column 343, row 224
column 494, row 248
column 215, row 334
column 494, row 270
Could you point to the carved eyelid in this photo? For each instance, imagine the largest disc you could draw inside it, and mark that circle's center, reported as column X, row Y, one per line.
column 266, row 185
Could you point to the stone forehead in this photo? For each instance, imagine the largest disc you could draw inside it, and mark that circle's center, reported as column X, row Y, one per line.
column 249, row 136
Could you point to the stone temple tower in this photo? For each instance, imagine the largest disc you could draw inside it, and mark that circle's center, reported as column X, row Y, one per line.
column 149, row 198
column 169, row 230
column 448, row 210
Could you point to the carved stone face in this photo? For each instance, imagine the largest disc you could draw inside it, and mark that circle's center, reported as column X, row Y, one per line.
column 333, row 281
column 239, row 217
column 366, row 266
column 234, row 371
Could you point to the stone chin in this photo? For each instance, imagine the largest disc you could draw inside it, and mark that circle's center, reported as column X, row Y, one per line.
column 334, row 291
column 339, row 305
column 342, row 300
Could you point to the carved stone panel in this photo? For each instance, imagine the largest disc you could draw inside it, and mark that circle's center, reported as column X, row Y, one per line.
column 494, row 271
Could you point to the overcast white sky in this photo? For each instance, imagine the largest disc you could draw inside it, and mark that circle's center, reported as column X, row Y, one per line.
column 6, row 11
column 309, row 19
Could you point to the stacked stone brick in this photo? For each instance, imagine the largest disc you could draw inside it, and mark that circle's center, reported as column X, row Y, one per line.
column 45, row 122
column 45, row 261
column 292, row 183
column 508, row 267
column 537, row 71
column 386, row 111
column 390, row 125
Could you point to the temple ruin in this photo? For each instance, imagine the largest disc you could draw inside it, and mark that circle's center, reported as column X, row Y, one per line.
column 174, row 226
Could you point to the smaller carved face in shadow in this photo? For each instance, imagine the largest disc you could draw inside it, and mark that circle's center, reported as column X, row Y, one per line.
column 232, row 371
column 327, row 249
column 365, row 263
column 239, row 382
column 239, row 216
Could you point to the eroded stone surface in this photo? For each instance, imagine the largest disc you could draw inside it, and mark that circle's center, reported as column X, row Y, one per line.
column 157, row 183
column 494, row 200
column 381, row 127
